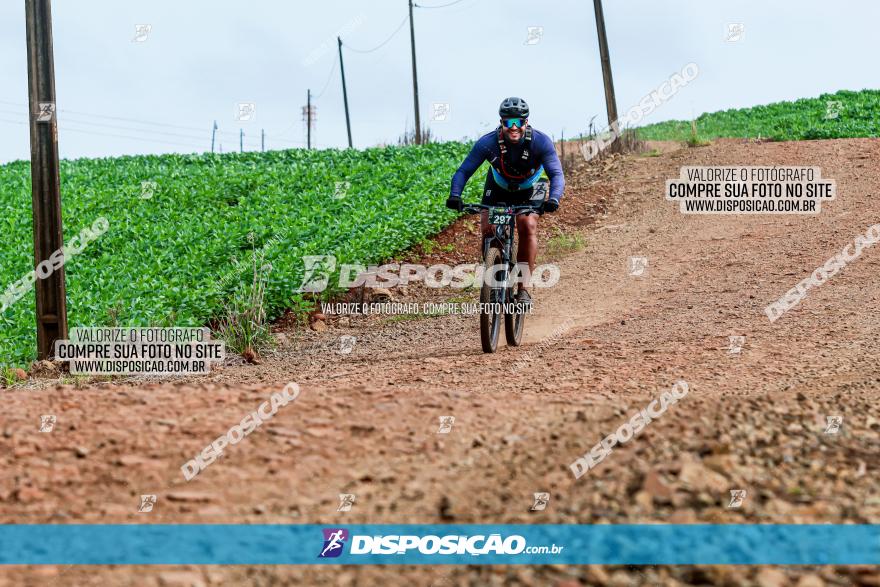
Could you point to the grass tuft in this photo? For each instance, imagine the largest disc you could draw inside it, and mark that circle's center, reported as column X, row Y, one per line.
column 243, row 324
column 562, row 243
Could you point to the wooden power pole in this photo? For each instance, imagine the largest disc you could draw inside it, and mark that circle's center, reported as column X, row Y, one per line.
column 51, row 292
column 610, row 100
column 344, row 92
column 412, row 36
column 562, row 148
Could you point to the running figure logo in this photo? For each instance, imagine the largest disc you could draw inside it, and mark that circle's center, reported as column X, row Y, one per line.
column 541, row 501
column 736, row 344
column 638, row 266
column 735, row 32
column 736, row 498
column 440, row 111
column 346, row 500
column 141, row 32
column 832, row 109
column 346, row 344
column 147, row 503
column 317, row 269
column 47, row 422
column 245, row 111
column 334, row 542
column 47, row 112
column 446, row 423
column 340, row 189
column 834, row 423
column 535, row 34
column 148, row 188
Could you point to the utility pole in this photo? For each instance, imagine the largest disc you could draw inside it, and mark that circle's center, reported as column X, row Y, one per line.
column 610, row 100
column 213, row 135
column 241, row 140
column 309, row 115
column 263, row 140
column 412, row 36
column 51, row 292
column 562, row 148
column 344, row 92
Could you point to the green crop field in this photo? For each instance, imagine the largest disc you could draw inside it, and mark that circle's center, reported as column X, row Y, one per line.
column 173, row 256
column 843, row 114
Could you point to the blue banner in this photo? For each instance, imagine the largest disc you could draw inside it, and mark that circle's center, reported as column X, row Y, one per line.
column 432, row 544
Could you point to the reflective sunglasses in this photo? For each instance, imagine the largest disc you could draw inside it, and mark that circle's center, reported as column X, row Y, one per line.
column 514, row 122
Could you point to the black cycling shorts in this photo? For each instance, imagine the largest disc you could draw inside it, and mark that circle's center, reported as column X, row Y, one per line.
column 495, row 194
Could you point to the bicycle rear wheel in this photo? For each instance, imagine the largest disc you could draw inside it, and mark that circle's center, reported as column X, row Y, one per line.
column 513, row 324
column 491, row 297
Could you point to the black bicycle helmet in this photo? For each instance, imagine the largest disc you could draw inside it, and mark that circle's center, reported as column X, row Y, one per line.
column 514, row 108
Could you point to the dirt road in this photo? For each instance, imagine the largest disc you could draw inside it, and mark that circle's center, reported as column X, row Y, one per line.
column 602, row 345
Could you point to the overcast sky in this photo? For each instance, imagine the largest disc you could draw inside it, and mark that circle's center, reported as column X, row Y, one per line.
column 201, row 58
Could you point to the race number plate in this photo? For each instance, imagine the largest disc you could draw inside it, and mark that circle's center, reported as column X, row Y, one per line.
column 499, row 216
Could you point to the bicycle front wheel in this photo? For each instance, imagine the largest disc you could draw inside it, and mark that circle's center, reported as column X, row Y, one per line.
column 491, row 299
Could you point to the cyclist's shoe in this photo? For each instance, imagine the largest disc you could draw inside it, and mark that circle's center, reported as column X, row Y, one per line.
column 524, row 299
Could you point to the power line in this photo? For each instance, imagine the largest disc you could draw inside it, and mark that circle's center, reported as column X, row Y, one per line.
column 329, row 77
column 302, row 144
column 383, row 43
column 117, row 127
column 65, row 129
column 65, row 126
column 280, row 137
column 139, row 121
column 275, row 139
column 124, row 119
column 105, row 134
column 440, row 5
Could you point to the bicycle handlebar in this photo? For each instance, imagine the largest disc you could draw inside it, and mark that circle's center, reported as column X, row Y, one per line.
column 517, row 210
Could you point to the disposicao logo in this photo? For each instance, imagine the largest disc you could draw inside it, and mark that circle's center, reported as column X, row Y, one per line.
column 477, row 545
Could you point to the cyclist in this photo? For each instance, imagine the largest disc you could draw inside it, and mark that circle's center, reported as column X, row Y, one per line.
column 519, row 156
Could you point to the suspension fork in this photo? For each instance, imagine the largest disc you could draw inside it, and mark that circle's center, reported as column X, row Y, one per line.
column 509, row 256
column 506, row 251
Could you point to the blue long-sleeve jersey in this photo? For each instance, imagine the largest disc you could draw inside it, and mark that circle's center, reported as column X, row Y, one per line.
column 514, row 169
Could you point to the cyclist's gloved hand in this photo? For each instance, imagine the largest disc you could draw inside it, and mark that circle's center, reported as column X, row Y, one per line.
column 454, row 203
column 550, row 206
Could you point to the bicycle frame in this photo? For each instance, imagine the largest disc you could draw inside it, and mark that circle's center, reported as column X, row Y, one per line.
column 505, row 235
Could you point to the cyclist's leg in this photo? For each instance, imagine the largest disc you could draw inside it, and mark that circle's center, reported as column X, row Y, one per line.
column 527, row 229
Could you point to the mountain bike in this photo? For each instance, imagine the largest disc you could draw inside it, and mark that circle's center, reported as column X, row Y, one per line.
column 499, row 257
